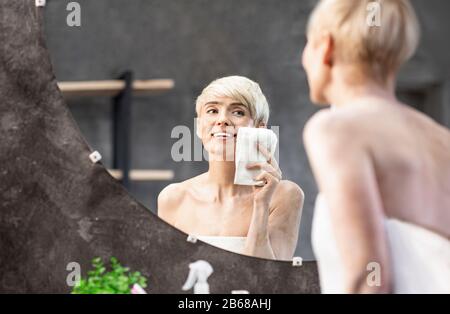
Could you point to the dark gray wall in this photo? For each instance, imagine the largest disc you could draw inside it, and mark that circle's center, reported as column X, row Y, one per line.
column 196, row 41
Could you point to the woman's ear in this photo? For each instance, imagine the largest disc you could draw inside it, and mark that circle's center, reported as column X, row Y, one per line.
column 262, row 125
column 327, row 49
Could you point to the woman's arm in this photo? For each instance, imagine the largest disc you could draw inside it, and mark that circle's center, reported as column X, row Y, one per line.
column 344, row 171
column 285, row 218
column 273, row 233
column 258, row 240
column 275, row 222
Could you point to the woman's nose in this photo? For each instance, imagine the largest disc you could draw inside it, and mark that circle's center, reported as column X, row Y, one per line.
column 222, row 119
column 221, row 122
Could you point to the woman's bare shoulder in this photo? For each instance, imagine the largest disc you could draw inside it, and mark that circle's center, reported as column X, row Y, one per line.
column 288, row 195
column 353, row 128
column 329, row 128
column 287, row 187
column 175, row 192
column 171, row 192
column 168, row 199
column 325, row 121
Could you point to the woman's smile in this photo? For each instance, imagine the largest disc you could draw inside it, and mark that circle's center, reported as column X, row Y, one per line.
column 224, row 136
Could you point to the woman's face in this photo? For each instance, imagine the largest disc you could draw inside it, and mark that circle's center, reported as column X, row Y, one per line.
column 218, row 123
column 314, row 61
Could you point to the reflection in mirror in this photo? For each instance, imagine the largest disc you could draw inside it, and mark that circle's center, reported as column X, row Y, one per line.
column 96, row 75
column 241, row 203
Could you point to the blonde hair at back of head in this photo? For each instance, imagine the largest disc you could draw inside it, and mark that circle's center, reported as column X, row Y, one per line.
column 383, row 47
column 242, row 90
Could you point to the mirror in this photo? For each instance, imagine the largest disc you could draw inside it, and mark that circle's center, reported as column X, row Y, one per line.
column 187, row 53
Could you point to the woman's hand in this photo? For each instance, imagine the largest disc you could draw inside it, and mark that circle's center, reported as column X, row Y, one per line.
column 269, row 178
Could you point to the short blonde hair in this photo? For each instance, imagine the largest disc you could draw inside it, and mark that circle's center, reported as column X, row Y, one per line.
column 384, row 48
column 240, row 89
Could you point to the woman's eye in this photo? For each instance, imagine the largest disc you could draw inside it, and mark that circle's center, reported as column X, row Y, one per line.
column 211, row 111
column 239, row 113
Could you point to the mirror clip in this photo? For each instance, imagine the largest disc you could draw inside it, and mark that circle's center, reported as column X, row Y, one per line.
column 297, row 261
column 40, row 3
column 239, row 292
column 95, row 157
column 191, row 238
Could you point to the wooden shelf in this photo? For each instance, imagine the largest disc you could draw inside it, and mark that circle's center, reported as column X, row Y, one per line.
column 144, row 175
column 113, row 87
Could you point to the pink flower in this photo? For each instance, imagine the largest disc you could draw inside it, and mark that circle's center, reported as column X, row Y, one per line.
column 137, row 289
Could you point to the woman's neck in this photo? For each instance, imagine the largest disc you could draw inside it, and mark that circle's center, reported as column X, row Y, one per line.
column 349, row 85
column 221, row 177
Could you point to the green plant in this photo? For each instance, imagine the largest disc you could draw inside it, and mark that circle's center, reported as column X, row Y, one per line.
column 117, row 281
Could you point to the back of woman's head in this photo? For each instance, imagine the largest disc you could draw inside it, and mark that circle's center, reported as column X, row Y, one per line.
column 381, row 35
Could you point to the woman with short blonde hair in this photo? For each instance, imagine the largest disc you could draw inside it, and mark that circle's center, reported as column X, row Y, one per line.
column 378, row 35
column 260, row 221
column 240, row 88
column 382, row 217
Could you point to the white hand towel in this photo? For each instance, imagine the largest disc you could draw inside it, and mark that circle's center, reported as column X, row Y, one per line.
column 247, row 152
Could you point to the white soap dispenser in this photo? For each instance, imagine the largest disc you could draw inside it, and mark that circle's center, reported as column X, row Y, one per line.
column 198, row 277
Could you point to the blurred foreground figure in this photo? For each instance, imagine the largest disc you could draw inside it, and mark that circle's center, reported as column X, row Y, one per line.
column 382, row 218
